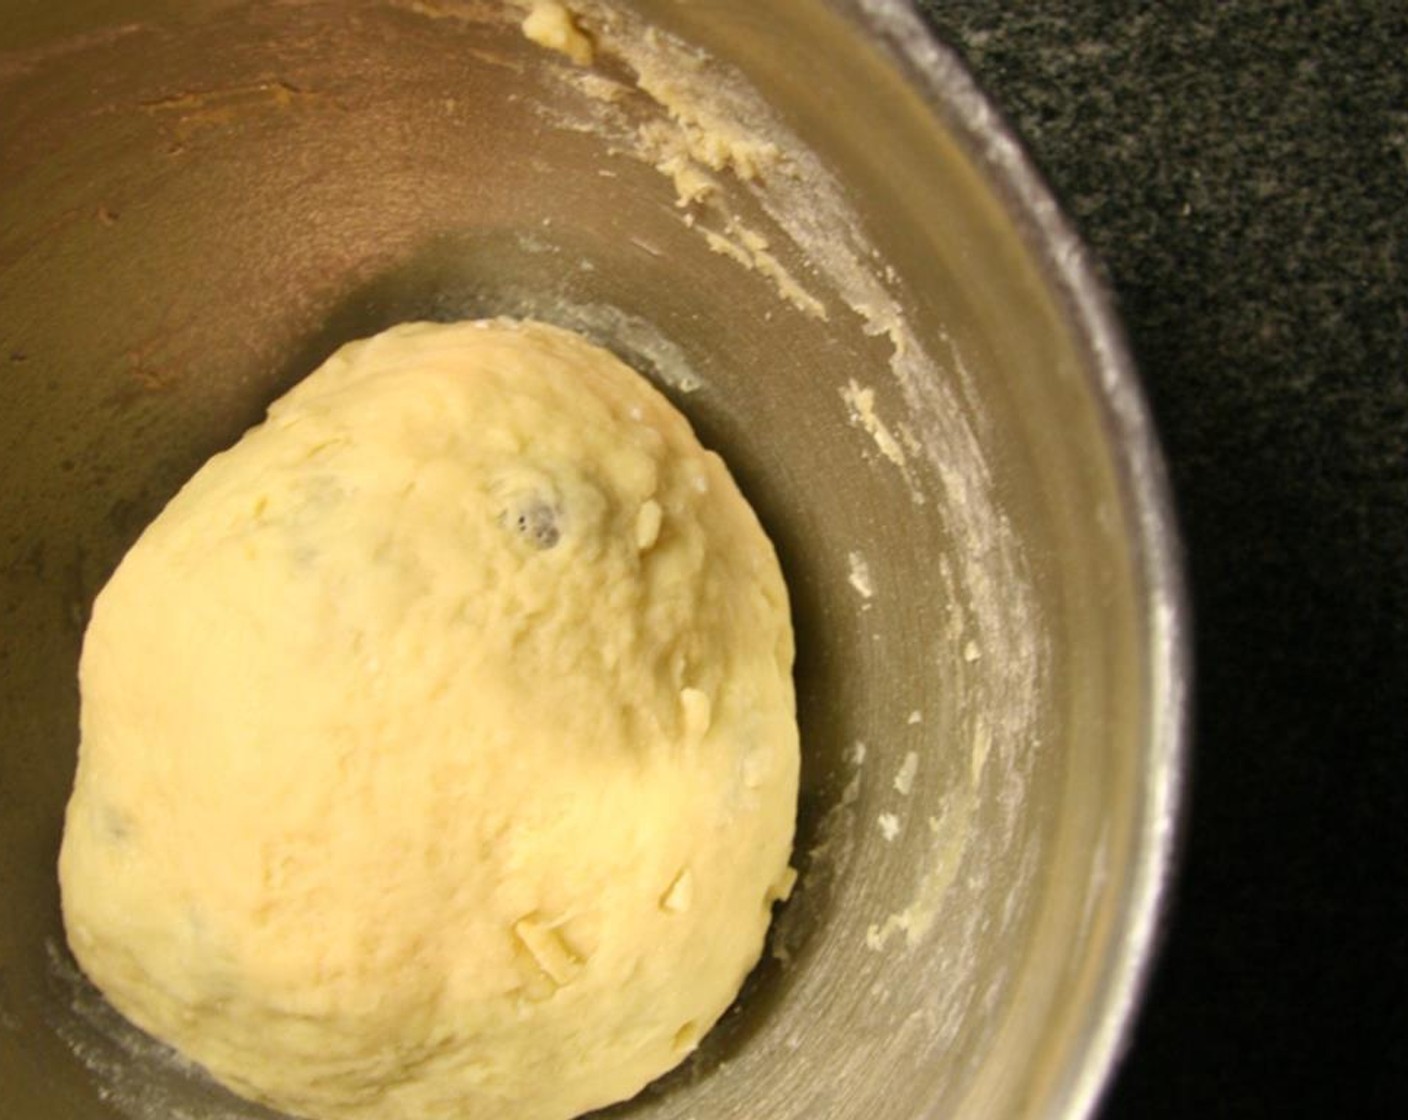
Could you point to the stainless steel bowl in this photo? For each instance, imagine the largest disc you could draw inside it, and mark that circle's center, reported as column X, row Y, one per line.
column 878, row 316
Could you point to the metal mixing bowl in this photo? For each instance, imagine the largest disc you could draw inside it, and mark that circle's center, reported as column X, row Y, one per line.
column 199, row 201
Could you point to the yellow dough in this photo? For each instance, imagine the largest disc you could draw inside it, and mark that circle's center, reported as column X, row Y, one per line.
column 439, row 756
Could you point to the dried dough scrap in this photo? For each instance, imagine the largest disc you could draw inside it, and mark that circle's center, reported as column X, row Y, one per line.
column 439, row 756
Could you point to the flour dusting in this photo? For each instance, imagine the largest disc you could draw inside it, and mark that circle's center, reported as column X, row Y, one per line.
column 859, row 577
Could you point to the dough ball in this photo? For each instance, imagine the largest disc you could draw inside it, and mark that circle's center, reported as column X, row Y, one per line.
column 439, row 755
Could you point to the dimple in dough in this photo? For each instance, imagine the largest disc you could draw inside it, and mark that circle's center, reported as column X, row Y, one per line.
column 439, row 755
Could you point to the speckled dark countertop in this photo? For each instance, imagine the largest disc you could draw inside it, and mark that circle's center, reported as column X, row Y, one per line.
column 1242, row 170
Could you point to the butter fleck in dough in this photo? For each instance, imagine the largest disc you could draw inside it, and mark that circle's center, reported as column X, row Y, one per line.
column 439, row 756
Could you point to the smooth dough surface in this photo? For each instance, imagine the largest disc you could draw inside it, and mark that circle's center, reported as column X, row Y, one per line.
column 439, row 756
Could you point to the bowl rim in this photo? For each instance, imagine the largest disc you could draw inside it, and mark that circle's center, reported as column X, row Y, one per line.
column 935, row 72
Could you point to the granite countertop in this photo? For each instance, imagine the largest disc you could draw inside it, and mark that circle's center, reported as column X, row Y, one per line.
column 1242, row 170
